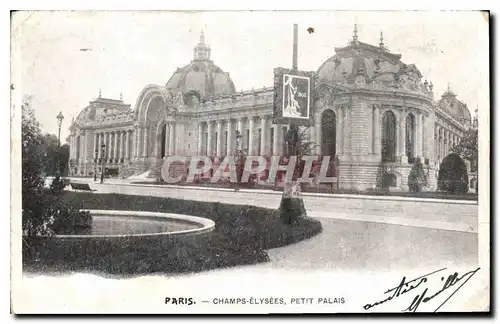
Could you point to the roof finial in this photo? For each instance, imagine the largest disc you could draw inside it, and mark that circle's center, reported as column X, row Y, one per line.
column 381, row 44
column 121, row 95
column 449, row 87
column 355, row 33
column 202, row 37
column 100, row 92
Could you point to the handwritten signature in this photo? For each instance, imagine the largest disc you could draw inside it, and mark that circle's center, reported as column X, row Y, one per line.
column 424, row 297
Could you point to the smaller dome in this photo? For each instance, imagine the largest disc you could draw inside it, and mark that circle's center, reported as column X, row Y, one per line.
column 455, row 107
column 201, row 76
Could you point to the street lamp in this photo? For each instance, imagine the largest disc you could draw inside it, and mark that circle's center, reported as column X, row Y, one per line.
column 103, row 161
column 95, row 164
column 60, row 118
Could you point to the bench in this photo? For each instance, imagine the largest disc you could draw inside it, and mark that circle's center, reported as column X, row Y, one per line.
column 80, row 186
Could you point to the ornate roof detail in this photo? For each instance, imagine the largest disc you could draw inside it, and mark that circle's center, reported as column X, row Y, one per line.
column 372, row 67
column 201, row 76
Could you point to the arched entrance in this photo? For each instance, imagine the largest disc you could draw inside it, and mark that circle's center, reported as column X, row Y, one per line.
column 388, row 137
column 328, row 133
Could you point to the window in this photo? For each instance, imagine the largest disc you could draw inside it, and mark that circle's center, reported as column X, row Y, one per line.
column 328, row 133
column 388, row 137
column 410, row 138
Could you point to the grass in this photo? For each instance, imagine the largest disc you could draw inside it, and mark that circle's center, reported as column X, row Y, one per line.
column 328, row 189
column 241, row 236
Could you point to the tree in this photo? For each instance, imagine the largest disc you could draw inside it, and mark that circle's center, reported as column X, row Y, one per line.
column 43, row 211
column 453, row 174
column 467, row 147
column 417, row 178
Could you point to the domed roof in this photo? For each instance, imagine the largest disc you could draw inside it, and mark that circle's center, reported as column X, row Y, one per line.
column 374, row 63
column 455, row 107
column 102, row 109
column 201, row 76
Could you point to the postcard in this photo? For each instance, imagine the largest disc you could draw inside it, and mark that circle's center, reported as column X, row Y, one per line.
column 250, row 162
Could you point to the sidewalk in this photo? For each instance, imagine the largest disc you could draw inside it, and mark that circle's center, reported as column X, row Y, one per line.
column 128, row 182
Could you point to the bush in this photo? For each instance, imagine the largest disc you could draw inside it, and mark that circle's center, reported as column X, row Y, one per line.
column 453, row 175
column 417, row 178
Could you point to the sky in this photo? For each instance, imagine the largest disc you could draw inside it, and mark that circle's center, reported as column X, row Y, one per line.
column 131, row 49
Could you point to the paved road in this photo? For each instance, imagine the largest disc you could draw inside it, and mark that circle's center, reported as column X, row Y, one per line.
column 357, row 233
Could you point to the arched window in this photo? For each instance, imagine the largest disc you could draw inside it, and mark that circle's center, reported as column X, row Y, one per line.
column 410, row 138
column 388, row 137
column 328, row 133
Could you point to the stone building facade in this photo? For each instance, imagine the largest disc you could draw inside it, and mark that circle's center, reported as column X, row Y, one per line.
column 371, row 109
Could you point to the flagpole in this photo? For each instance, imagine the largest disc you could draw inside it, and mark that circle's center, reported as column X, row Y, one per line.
column 292, row 204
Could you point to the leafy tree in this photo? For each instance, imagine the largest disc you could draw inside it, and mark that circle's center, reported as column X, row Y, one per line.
column 43, row 211
column 453, row 174
column 467, row 147
column 417, row 178
column 382, row 176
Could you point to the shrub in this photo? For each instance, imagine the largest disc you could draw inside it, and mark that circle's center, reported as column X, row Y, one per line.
column 417, row 178
column 453, row 175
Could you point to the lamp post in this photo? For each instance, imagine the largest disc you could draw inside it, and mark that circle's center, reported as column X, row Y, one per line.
column 60, row 118
column 95, row 163
column 103, row 161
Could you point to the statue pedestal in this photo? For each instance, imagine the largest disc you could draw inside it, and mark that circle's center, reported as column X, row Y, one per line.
column 292, row 205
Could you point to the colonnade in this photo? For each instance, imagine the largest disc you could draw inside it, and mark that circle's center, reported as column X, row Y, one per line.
column 444, row 140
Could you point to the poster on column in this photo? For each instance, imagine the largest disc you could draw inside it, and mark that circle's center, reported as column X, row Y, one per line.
column 293, row 97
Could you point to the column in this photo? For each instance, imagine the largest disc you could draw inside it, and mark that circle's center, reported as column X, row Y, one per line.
column 120, row 151
column 171, row 139
column 145, row 145
column 423, row 132
column 99, row 139
column 240, row 125
column 165, row 145
column 377, row 149
column 210, row 139
column 127, row 143
column 402, row 139
column 230, row 137
column 318, row 139
column 418, row 137
column 441, row 140
column 276, row 149
column 200, row 138
column 82, row 145
column 95, row 145
column 115, row 148
column 445, row 140
column 338, row 131
column 250, row 137
column 136, row 141
column 263, row 132
column 219, row 138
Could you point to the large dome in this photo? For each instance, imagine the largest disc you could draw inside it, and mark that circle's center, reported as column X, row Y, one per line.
column 374, row 64
column 201, row 76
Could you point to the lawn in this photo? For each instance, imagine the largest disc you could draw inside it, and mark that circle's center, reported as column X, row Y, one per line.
column 242, row 235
